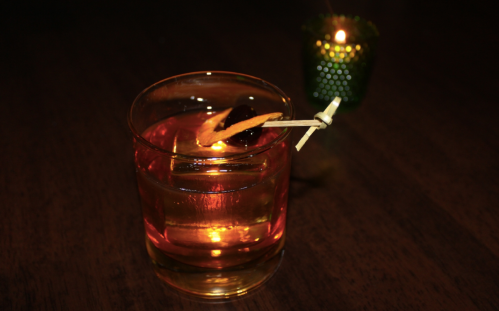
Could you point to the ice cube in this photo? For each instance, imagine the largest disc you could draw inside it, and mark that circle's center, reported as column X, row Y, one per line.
column 185, row 143
column 211, row 172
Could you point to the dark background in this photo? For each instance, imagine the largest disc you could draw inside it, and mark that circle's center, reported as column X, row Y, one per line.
column 393, row 207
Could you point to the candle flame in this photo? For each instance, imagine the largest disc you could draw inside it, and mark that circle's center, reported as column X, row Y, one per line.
column 340, row 37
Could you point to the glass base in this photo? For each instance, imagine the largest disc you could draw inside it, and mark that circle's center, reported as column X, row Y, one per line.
column 215, row 283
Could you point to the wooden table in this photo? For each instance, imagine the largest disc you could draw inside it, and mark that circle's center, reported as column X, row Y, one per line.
column 393, row 207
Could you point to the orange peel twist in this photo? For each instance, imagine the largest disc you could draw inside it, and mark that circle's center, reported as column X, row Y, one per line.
column 207, row 135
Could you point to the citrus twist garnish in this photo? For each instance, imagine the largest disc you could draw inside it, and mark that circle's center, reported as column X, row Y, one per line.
column 207, row 135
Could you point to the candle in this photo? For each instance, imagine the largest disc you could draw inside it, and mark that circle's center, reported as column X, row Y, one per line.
column 337, row 57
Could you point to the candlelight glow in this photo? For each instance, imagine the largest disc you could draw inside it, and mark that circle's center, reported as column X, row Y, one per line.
column 215, row 237
column 220, row 145
column 216, row 252
column 340, row 37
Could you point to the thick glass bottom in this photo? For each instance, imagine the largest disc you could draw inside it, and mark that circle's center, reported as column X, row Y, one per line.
column 216, row 283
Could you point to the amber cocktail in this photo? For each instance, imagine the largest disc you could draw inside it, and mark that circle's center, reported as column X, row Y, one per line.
column 214, row 216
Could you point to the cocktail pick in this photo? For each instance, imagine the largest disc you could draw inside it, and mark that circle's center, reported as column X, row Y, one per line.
column 326, row 119
column 207, row 135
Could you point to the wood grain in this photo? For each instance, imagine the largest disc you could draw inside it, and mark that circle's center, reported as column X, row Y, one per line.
column 392, row 207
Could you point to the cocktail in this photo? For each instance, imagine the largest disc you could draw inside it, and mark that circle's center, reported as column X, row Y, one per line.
column 214, row 215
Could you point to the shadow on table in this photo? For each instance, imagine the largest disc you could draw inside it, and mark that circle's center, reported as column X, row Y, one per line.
column 306, row 176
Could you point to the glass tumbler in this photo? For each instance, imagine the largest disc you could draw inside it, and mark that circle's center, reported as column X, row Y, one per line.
column 214, row 216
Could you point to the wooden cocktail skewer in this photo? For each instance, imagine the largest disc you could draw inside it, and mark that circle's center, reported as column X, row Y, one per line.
column 292, row 123
column 207, row 135
column 322, row 120
column 318, row 122
column 325, row 120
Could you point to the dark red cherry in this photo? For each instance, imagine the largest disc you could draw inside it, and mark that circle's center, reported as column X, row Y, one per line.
column 238, row 114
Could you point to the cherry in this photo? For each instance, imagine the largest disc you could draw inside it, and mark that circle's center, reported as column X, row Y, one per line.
column 238, row 114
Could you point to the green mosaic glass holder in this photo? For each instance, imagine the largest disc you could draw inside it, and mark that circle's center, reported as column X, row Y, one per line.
column 336, row 66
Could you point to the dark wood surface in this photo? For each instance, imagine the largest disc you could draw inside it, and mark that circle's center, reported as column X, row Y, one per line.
column 394, row 207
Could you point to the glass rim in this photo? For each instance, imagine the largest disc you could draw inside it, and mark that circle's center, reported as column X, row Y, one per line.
column 249, row 153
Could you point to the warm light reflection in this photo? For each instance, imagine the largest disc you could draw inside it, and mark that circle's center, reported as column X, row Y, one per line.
column 200, row 99
column 220, row 145
column 340, row 37
column 214, row 236
column 208, row 73
column 209, row 107
column 215, row 253
column 318, row 42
